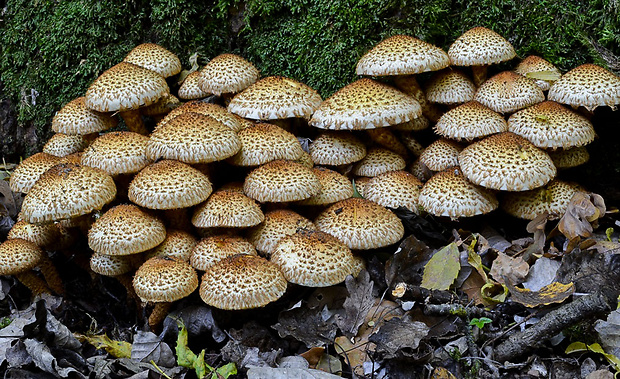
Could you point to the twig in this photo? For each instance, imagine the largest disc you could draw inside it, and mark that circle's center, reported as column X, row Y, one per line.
column 456, row 309
column 159, row 369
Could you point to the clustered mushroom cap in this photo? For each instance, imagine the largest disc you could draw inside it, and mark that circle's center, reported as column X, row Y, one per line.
column 67, row 190
column 61, row 145
column 361, row 224
column 277, row 224
column 124, row 87
column 313, row 258
column 227, row 73
column 43, row 235
column 117, row 153
column 365, row 104
column 164, row 279
column 448, row 193
column 587, row 85
column 336, row 148
column 281, row 181
column 506, row 162
column 480, row 46
column 242, row 282
column 75, row 118
column 470, row 120
column 275, row 97
column 417, row 124
column 213, row 249
column 441, row 154
column 125, row 229
column 111, row 265
column 178, row 244
column 169, row 184
column 378, row 161
column 30, row 170
column 231, row 209
column 155, row 58
column 394, row 189
column 567, row 158
column 161, row 107
column 402, row 55
column 190, row 89
column 552, row 198
column 551, row 125
column 216, row 111
column 193, row 138
column 508, row 92
column 334, row 187
column 263, row 143
column 533, row 64
column 450, row 86
column 18, row 255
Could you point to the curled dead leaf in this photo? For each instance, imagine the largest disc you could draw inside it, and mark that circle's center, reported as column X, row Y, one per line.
column 583, row 210
column 550, row 294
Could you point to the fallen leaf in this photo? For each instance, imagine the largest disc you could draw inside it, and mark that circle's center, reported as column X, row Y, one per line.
column 398, row 334
column 329, row 363
column 473, row 258
column 313, row 356
column 494, row 293
column 407, row 263
column 442, row 269
column 583, row 209
column 541, row 274
column 609, row 332
column 117, row 349
column 314, row 327
column 353, row 355
column 509, row 269
column 287, row 373
column 550, row 294
column 357, row 304
column 442, row 373
column 472, row 288
column 147, row 347
column 580, row 347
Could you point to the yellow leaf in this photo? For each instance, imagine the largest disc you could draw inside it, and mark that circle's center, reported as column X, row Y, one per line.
column 118, row 349
column 544, row 75
column 494, row 293
column 580, row 347
column 549, row 294
column 442, row 269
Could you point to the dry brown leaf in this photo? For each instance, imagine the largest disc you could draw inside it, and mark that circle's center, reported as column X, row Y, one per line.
column 508, row 269
column 472, row 286
column 313, row 356
column 550, row 294
column 583, row 210
column 442, row 373
column 354, row 355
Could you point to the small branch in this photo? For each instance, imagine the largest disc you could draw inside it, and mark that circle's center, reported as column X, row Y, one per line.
column 457, row 310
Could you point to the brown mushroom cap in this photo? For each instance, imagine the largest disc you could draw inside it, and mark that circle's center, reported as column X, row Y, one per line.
column 365, row 104
column 169, row 184
column 61, row 145
column 263, row 143
column 178, row 244
column 506, row 162
column 242, row 282
column 281, row 181
column 336, row 148
column 213, row 249
column 117, row 153
column 533, row 66
column 164, row 280
column 416, row 124
column 313, row 258
column 75, row 118
column 190, row 89
column 275, row 97
column 552, row 198
column 567, row 158
column 125, row 86
column 18, row 255
column 125, row 229
column 470, row 120
column 43, row 235
column 402, row 55
column 334, row 187
column 227, row 73
column 227, row 209
column 551, row 125
column 277, row 224
column 587, row 85
column 394, row 189
column 448, row 193
column 66, row 191
column 450, row 86
column 361, row 224
column 378, row 161
column 441, row 154
column 111, row 265
column 193, row 138
column 155, row 58
column 161, row 107
column 216, row 111
column 480, row 46
column 508, row 92
column 30, row 170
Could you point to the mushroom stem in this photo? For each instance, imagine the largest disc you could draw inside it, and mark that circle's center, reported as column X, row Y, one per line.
column 409, row 85
column 35, row 284
column 160, row 311
column 51, row 275
column 480, row 74
column 387, row 139
column 133, row 120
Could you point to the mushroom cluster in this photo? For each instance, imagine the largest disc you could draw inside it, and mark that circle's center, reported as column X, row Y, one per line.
column 228, row 181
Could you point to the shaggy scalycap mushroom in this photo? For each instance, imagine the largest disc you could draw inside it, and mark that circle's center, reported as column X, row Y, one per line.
column 277, row 224
column 449, row 86
column 394, row 189
column 117, row 153
column 227, row 209
column 155, row 58
column 378, row 161
column 281, row 181
column 552, row 198
column 336, row 148
column 30, row 170
column 190, row 89
column 508, row 92
column 535, row 67
column 441, row 154
column 469, row 121
column 263, row 143
column 213, row 249
column 178, row 244
column 334, row 187
column 61, row 145
column 480, row 46
column 216, row 111
column 587, row 85
column 567, row 158
column 227, row 73
column 75, row 118
column 164, row 280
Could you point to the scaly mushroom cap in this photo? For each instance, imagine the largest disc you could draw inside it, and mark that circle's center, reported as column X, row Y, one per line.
column 263, row 143
column 43, row 235
column 281, row 181
column 230, row 209
column 416, row 124
column 178, row 244
column 448, row 193
column 551, row 125
column 506, row 162
column 480, row 46
column 365, row 104
column 277, row 224
column 169, row 184
column 75, row 118
column 18, row 255
column 111, row 265
column 227, row 73
column 193, row 138
column 30, row 170
column 164, row 280
column 361, row 224
column 567, row 158
column 213, row 249
column 162, row 106
column 334, row 187
column 402, row 55
column 470, row 120
column 394, row 189
column 242, row 282
column 216, row 111
column 587, row 85
column 61, row 145
column 450, row 86
column 125, row 229
column 155, row 58
column 125, row 86
column 336, row 148
column 67, row 190
column 508, row 92
column 275, row 97
column 117, row 153
column 313, row 258
column 378, row 161
column 190, row 89
column 533, row 66
column 552, row 198
column 441, row 154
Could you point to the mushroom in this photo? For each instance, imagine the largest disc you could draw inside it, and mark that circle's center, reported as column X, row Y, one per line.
column 43, row 235
column 567, row 158
column 216, row 111
column 470, row 121
column 118, row 267
column 263, row 143
column 336, row 149
column 61, row 145
column 227, row 74
column 394, row 189
column 378, row 161
column 540, row 70
column 334, row 187
column 589, row 86
column 155, row 58
column 117, row 153
column 74, row 118
column 178, row 244
column 277, row 224
column 441, row 154
column 227, row 208
column 281, row 181
column 450, row 86
column 30, row 170
column 190, row 88
column 552, row 198
column 508, row 92
column 213, row 249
